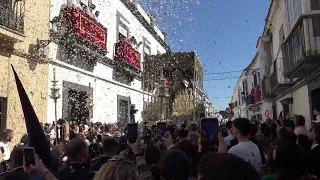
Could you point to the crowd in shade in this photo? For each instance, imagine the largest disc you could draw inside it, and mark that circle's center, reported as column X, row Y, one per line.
column 241, row 149
column 246, row 150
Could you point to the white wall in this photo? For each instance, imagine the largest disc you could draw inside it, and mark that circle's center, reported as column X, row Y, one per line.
column 108, row 18
column 301, row 104
column 105, row 89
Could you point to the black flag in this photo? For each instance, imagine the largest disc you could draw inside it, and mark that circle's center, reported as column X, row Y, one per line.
column 37, row 138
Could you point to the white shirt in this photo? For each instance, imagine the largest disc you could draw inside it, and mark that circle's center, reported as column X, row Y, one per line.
column 313, row 146
column 227, row 139
column 6, row 154
column 249, row 152
column 300, row 130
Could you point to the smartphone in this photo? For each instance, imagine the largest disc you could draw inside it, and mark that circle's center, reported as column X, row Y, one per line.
column 28, row 153
column 161, row 128
column 132, row 132
column 210, row 129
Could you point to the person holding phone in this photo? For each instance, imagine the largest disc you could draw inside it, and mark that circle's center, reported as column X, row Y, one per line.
column 245, row 149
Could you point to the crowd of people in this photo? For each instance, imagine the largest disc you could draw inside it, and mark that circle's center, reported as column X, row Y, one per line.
column 89, row 10
column 248, row 150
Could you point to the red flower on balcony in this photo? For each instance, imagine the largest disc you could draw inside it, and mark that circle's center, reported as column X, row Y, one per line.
column 125, row 51
column 80, row 23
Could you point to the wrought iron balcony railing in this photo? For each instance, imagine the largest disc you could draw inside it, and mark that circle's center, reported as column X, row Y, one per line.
column 12, row 15
column 301, row 48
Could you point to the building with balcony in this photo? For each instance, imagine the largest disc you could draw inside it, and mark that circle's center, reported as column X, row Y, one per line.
column 99, row 71
column 289, row 55
column 246, row 99
column 21, row 24
column 238, row 103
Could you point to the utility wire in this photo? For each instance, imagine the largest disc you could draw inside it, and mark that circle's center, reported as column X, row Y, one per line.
column 221, row 79
column 221, row 97
column 223, row 72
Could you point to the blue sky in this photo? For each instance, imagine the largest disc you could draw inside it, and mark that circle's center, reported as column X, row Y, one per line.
column 224, row 34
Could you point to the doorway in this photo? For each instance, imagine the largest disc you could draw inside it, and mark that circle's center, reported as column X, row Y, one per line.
column 78, row 110
column 315, row 100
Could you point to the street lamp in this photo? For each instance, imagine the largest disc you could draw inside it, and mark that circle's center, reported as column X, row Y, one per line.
column 57, row 30
column 55, row 95
column 163, row 94
column 89, row 100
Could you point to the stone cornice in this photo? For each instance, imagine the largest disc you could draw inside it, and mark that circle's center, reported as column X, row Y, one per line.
column 144, row 22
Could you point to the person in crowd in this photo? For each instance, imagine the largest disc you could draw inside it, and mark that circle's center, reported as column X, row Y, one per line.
column 285, row 162
column 94, row 147
column 89, row 10
column 287, row 130
column 131, row 40
column 96, row 15
column 245, row 149
column 106, row 131
column 110, row 149
column 6, row 137
column 116, row 135
column 185, row 144
column 1, row 160
column 15, row 169
column 225, row 166
column 24, row 140
column 78, row 156
column 74, row 3
column 119, row 169
column 264, row 137
column 300, row 126
column 312, row 157
column 316, row 112
column 174, row 165
column 230, row 137
column 252, row 134
column 274, row 133
column 193, row 137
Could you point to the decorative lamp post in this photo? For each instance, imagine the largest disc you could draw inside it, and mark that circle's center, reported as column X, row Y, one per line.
column 89, row 100
column 162, row 94
column 55, row 95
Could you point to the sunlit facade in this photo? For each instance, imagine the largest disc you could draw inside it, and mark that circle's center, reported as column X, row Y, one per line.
column 22, row 23
column 99, row 76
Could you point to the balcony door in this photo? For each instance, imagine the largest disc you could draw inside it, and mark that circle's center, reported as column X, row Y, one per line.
column 78, row 109
column 123, row 110
column 122, row 27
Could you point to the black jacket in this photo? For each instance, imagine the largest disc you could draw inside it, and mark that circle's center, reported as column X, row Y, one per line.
column 97, row 165
column 75, row 171
column 312, row 159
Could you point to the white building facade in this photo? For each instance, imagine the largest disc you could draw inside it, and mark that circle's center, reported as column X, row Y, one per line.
column 238, row 101
column 91, row 81
column 287, row 61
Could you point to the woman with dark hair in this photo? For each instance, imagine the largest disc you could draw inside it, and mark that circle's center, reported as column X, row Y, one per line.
column 226, row 166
